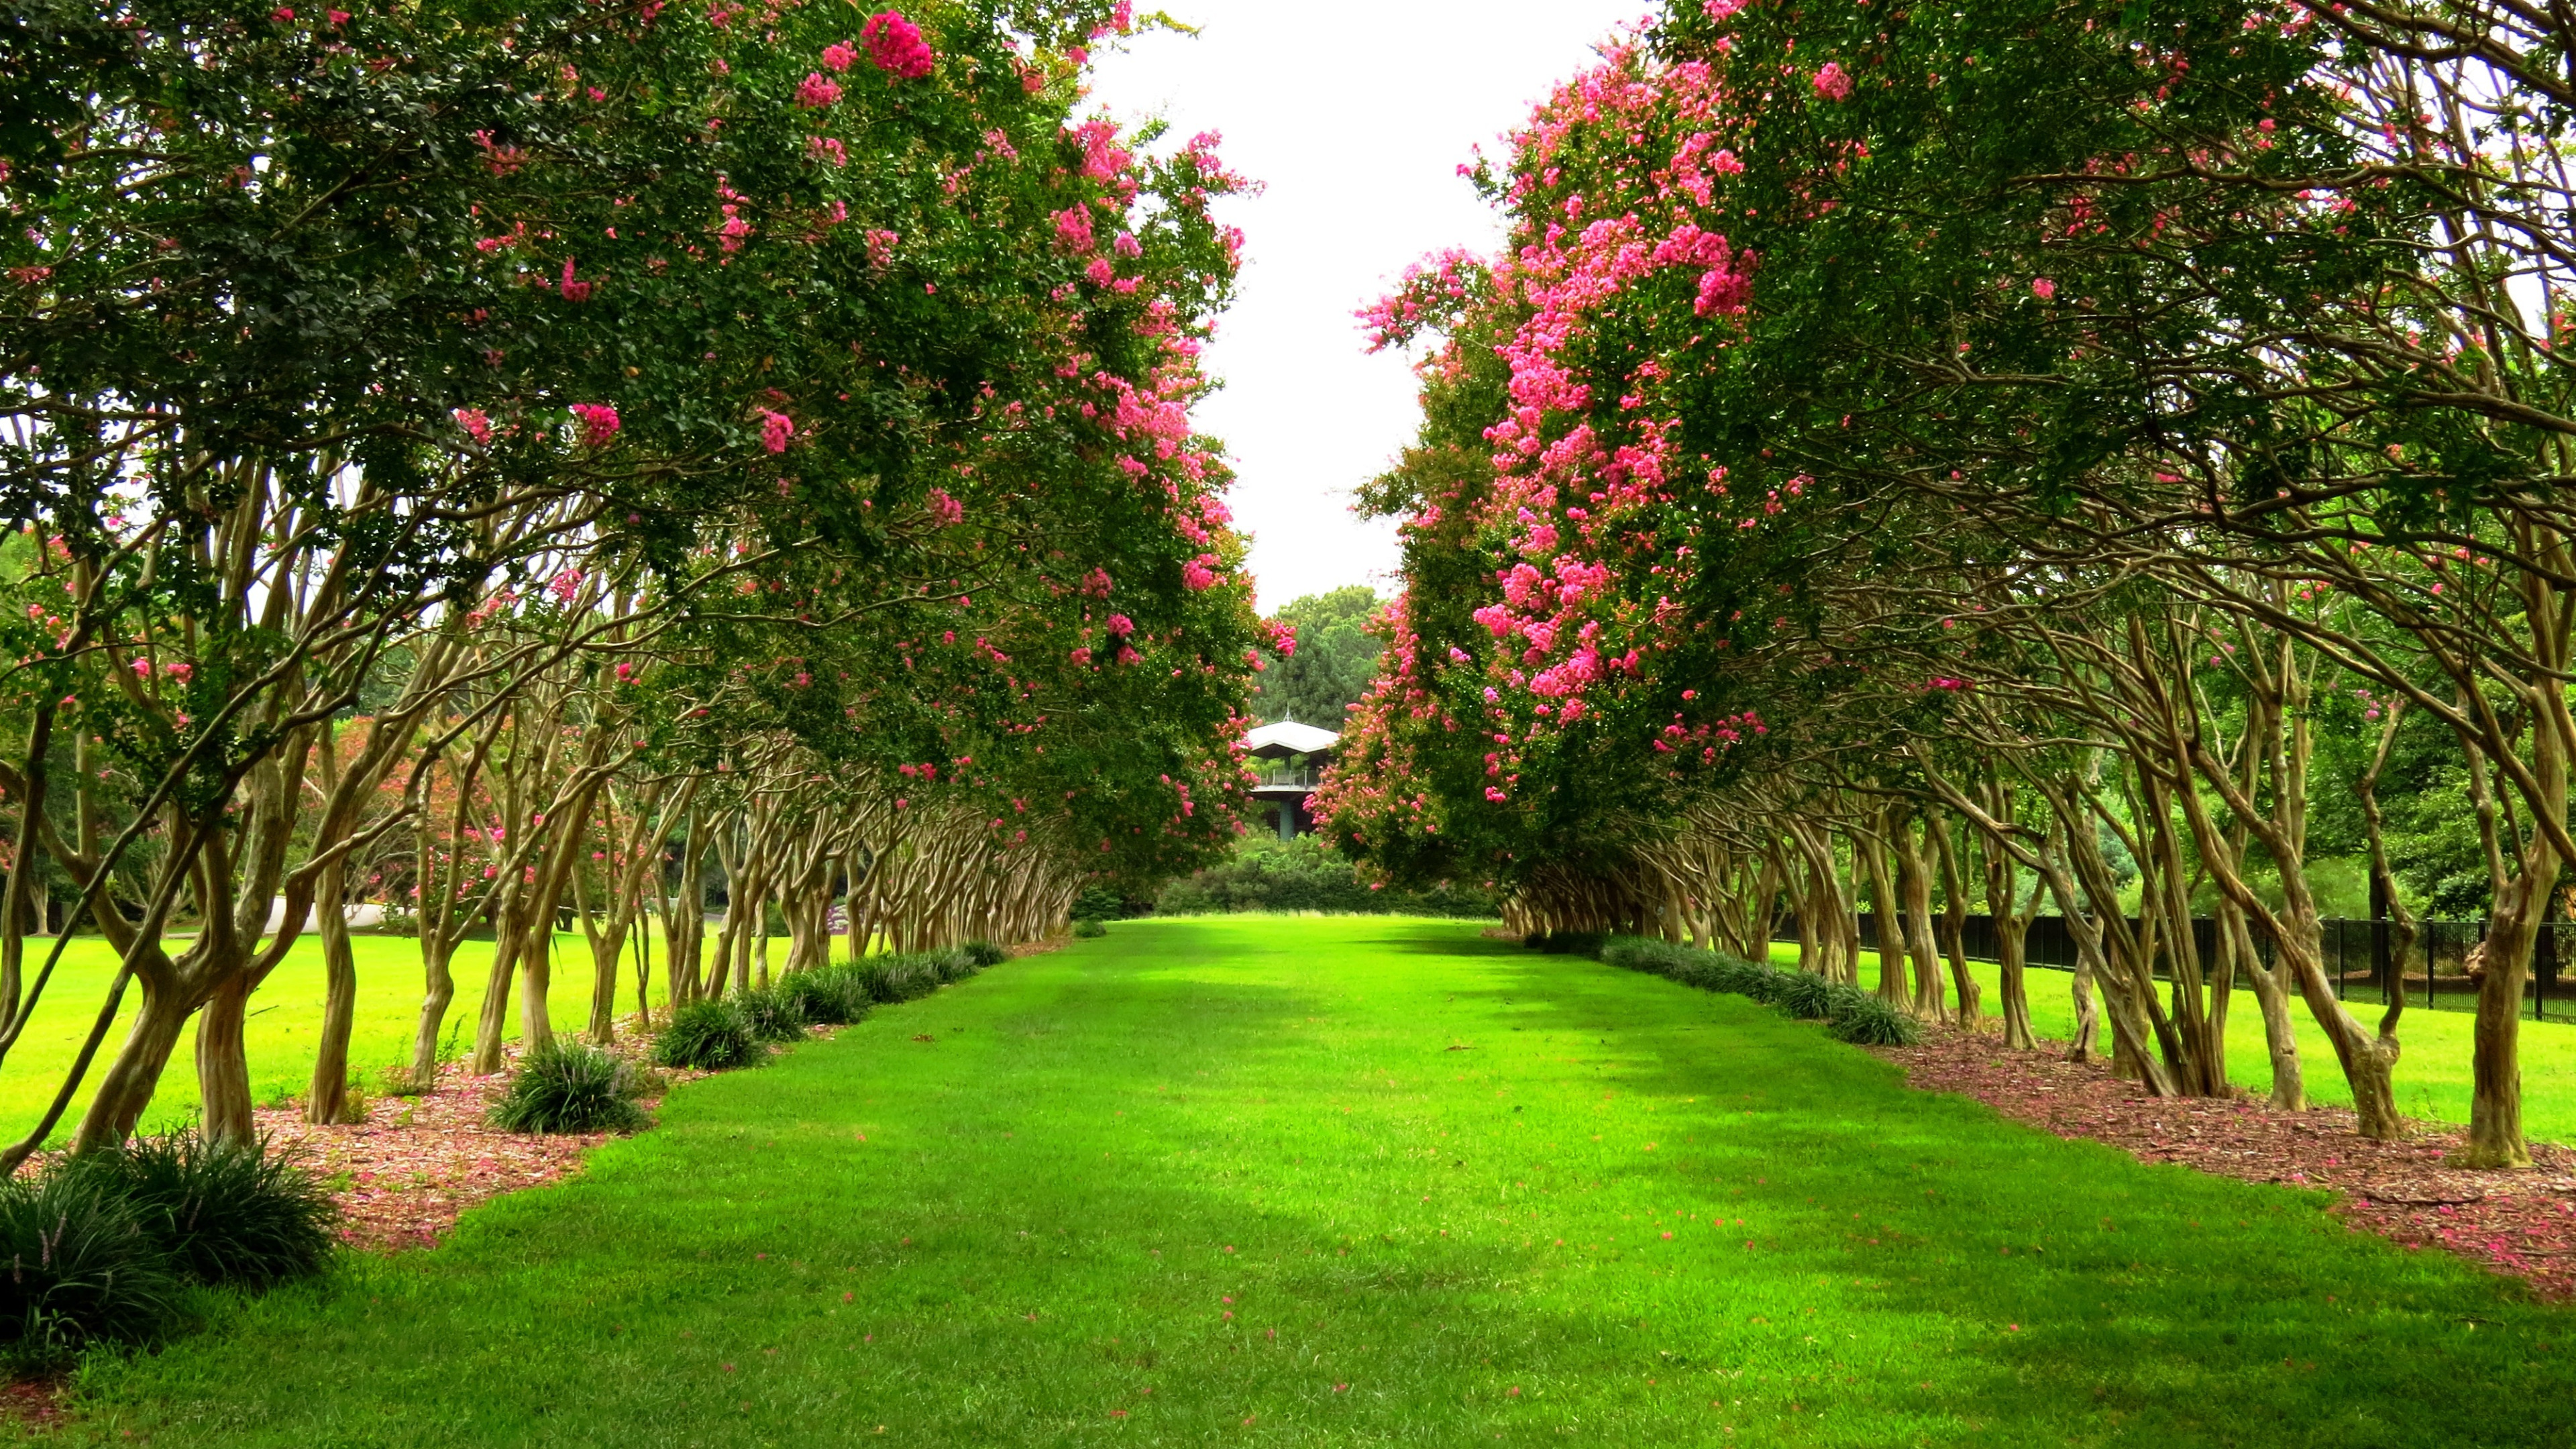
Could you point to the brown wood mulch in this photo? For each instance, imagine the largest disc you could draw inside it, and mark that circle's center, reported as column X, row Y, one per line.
column 405, row 1175
column 2518, row 1223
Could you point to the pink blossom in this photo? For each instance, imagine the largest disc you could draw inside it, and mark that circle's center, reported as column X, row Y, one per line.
column 1832, row 83
column 1100, row 272
column 881, row 245
column 179, row 672
column 1721, row 9
column 476, row 425
column 1126, row 245
column 1096, row 584
column 2042, row 288
column 1196, row 574
column 775, row 430
column 1073, row 229
column 840, row 55
column 895, row 44
column 1081, row 656
column 574, row 291
column 814, row 92
column 143, row 668
column 947, row 509
column 565, row 585
column 598, row 423
column 1121, row 624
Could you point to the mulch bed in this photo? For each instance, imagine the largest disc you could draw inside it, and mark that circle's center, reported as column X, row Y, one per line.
column 2522, row 1224
column 405, row 1175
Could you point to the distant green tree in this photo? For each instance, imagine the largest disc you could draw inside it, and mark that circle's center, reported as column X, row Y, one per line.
column 1334, row 662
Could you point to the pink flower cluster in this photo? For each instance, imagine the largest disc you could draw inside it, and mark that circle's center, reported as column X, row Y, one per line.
column 775, row 431
column 895, row 44
column 598, row 423
column 815, row 92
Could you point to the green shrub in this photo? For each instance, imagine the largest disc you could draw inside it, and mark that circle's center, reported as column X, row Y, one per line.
column 1098, row 903
column 954, row 964
column 1744, row 978
column 1567, row 943
column 1265, row 873
column 1868, row 1021
column 891, row 979
column 1088, row 928
column 707, row 1036
column 774, row 1015
column 1762, row 983
column 1803, row 994
column 570, row 1086
column 222, row 1214
column 83, row 1269
column 832, row 996
column 985, row 953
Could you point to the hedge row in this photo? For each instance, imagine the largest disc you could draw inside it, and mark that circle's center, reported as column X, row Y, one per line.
column 1849, row 1013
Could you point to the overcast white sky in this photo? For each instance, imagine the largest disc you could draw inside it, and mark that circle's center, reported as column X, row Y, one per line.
column 1355, row 117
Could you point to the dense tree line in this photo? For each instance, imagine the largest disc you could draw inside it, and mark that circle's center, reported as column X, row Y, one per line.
column 493, row 463
column 2021, row 456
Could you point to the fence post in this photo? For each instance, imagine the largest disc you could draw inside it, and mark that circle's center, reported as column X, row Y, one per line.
column 2544, row 969
column 2381, row 975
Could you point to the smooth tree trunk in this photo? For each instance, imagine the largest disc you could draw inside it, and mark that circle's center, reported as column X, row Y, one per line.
column 326, row 1100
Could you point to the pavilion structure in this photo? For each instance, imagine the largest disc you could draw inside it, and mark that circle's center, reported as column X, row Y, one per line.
column 1290, row 758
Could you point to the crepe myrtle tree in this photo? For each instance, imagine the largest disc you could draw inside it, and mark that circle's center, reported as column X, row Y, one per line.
column 255, row 431
column 2223, row 296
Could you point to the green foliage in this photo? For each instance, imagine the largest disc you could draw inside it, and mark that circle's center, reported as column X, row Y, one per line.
column 708, row 1036
column 243, row 1216
column 831, row 996
column 1804, row 995
column 909, row 977
column 984, row 953
column 1306, row 874
column 1099, row 903
column 1868, row 1021
column 84, row 1268
column 570, row 1086
column 773, row 1014
column 1566, row 943
column 1335, row 661
column 1089, row 929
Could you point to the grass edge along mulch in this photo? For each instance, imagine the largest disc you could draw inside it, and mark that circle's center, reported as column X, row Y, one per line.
column 2520, row 1224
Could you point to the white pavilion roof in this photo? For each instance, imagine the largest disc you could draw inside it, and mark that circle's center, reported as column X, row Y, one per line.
column 1289, row 738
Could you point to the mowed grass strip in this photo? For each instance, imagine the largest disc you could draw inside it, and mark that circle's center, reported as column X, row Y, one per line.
column 2433, row 1074
column 1361, row 1181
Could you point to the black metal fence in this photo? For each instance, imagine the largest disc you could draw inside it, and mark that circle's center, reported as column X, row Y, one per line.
column 2359, row 957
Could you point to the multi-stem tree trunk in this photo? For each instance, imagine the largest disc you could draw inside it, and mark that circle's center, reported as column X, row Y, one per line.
column 1955, row 920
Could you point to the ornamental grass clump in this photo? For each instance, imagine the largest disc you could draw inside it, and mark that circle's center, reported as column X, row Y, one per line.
column 832, row 996
column 1864, row 1020
column 219, row 1214
column 774, row 1015
column 1090, row 927
column 985, row 953
column 570, row 1086
column 955, row 964
column 83, row 1269
column 1803, row 994
column 708, row 1036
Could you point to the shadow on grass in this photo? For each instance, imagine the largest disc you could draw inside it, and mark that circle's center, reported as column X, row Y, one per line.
column 1239, row 1194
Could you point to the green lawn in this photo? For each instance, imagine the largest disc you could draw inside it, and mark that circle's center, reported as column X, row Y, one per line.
column 1361, row 1181
column 285, row 1021
column 2432, row 1073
